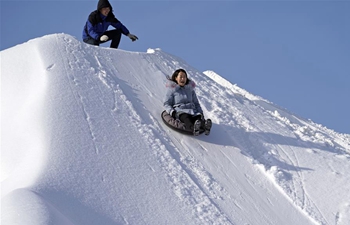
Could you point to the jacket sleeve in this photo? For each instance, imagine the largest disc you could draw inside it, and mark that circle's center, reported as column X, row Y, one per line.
column 119, row 25
column 169, row 101
column 197, row 106
column 91, row 31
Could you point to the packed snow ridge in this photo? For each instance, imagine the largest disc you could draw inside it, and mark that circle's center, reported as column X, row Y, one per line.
column 82, row 142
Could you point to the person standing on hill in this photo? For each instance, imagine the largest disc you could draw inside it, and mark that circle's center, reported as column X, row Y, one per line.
column 95, row 29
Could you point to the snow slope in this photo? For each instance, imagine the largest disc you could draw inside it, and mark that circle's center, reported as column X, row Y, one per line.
column 82, row 142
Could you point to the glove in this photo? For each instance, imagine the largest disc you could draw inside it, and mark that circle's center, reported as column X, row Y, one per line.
column 104, row 38
column 132, row 37
column 173, row 114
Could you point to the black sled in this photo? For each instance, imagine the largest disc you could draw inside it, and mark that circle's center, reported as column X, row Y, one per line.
column 176, row 124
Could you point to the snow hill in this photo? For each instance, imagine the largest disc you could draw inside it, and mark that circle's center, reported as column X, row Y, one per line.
column 82, row 143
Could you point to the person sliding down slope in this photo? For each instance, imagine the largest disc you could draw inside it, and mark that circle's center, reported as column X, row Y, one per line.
column 181, row 102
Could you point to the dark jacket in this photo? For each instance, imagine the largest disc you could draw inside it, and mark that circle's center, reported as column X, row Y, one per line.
column 97, row 24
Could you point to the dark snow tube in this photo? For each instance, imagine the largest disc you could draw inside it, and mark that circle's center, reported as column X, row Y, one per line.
column 176, row 124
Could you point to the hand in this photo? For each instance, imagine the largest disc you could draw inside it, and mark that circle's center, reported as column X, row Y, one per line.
column 132, row 37
column 104, row 38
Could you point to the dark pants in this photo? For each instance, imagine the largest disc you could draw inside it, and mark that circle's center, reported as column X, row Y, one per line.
column 188, row 119
column 113, row 35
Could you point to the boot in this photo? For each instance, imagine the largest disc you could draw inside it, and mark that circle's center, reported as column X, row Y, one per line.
column 196, row 127
column 207, row 126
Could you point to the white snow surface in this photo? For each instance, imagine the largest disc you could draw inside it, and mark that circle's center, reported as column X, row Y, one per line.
column 82, row 142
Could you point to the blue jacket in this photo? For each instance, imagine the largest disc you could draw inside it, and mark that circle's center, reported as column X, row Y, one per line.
column 97, row 24
column 182, row 99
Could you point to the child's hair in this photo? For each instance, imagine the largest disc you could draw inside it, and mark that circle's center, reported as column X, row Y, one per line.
column 176, row 73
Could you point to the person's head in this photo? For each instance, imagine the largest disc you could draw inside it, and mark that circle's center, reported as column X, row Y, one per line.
column 180, row 77
column 105, row 11
column 104, row 7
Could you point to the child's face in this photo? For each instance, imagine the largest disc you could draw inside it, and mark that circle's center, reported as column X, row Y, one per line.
column 104, row 11
column 181, row 79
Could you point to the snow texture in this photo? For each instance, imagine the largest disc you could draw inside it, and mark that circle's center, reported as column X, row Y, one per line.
column 82, row 143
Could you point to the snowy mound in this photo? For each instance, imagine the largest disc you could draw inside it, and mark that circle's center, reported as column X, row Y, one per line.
column 82, row 142
column 225, row 83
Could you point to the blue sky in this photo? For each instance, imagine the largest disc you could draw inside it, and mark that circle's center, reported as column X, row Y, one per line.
column 293, row 53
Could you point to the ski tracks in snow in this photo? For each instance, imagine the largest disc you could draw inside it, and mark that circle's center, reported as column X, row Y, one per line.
column 186, row 183
column 76, row 66
column 236, row 114
column 277, row 152
column 241, row 112
column 189, row 180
